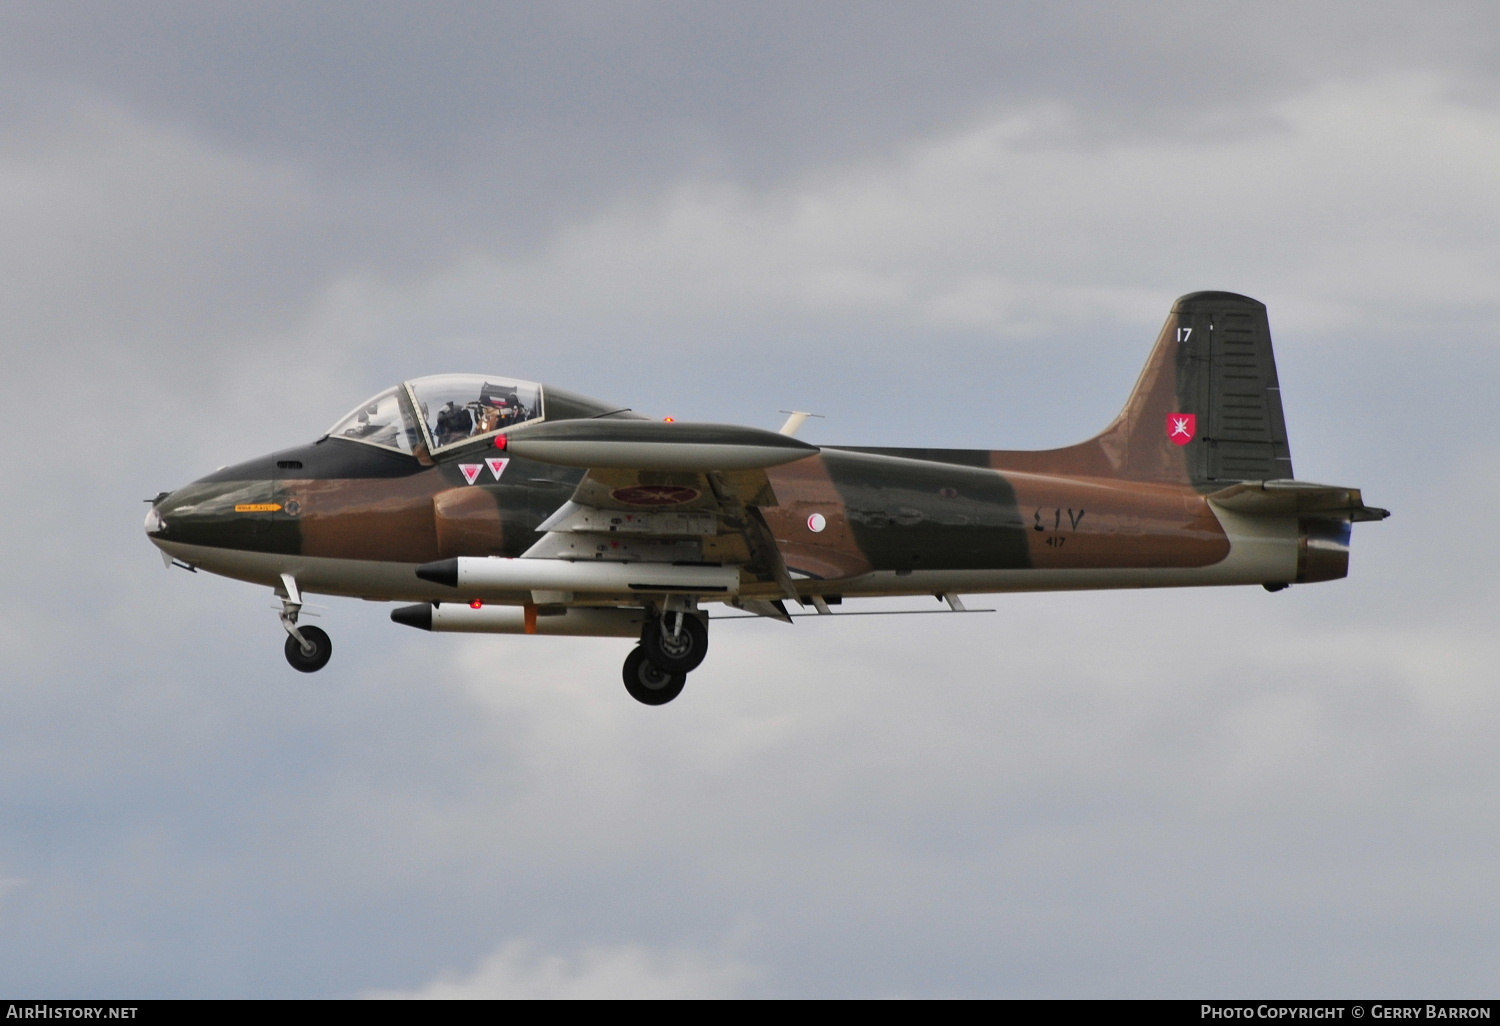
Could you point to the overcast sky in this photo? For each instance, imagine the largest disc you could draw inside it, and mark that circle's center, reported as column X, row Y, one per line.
column 946, row 224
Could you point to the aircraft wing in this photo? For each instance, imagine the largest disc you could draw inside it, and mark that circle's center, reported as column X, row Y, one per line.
column 665, row 493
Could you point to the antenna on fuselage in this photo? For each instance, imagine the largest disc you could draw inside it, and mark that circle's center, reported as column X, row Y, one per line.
column 796, row 420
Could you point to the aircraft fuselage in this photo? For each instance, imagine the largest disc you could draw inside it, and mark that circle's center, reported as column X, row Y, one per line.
column 348, row 519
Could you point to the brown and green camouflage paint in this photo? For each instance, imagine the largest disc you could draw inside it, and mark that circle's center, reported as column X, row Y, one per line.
column 1128, row 497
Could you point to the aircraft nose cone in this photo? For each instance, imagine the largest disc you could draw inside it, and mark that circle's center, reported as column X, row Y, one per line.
column 232, row 508
column 156, row 525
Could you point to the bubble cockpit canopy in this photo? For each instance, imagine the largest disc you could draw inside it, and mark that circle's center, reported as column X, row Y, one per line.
column 441, row 410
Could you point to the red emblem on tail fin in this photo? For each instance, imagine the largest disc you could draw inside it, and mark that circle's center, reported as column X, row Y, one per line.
column 1182, row 427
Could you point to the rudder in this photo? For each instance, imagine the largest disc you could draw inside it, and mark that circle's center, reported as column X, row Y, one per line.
column 1226, row 375
column 1206, row 410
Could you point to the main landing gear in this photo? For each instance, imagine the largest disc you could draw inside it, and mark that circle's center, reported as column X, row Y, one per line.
column 308, row 649
column 672, row 645
column 649, row 684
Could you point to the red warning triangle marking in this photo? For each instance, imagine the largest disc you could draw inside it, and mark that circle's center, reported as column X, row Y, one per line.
column 471, row 471
column 497, row 466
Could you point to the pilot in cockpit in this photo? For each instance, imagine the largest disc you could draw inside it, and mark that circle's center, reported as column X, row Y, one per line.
column 362, row 426
column 500, row 407
column 454, row 423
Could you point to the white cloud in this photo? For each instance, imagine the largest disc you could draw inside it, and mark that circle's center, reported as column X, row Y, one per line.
column 631, row 972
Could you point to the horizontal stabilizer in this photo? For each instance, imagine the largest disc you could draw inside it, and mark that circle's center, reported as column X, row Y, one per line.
column 655, row 445
column 1296, row 498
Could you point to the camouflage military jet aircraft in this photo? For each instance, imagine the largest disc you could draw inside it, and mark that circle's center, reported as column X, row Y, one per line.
column 508, row 507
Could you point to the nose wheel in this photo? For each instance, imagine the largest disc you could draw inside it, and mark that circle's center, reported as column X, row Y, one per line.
column 312, row 652
column 307, row 648
column 648, row 683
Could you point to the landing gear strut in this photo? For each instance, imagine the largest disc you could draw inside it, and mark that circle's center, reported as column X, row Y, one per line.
column 307, row 648
column 676, row 641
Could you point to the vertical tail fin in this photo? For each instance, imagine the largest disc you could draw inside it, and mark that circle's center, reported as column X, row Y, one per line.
column 1226, row 373
column 1206, row 410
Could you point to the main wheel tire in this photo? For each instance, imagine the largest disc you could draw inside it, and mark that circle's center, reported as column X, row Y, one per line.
column 309, row 662
column 648, row 683
column 682, row 653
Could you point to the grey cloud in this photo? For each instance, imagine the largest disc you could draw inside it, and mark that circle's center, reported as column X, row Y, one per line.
column 519, row 107
column 298, row 145
column 925, row 807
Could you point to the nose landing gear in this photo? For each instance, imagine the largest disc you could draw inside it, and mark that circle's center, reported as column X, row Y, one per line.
column 308, row 649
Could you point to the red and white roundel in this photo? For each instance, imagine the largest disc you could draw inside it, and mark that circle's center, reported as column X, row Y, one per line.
column 816, row 523
column 1182, row 427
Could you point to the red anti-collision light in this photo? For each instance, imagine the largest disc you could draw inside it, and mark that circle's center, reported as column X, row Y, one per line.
column 477, row 604
column 501, row 441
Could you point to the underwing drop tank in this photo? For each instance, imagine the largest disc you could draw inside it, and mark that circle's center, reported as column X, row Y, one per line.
column 464, row 618
column 484, row 574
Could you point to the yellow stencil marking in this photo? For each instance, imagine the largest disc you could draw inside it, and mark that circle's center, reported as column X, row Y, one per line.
column 257, row 507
